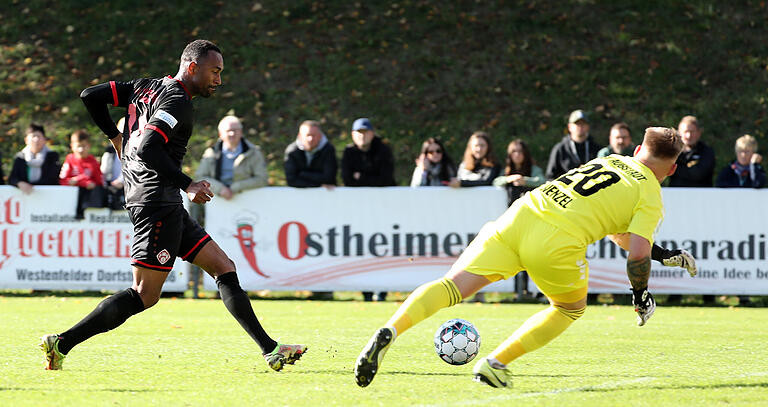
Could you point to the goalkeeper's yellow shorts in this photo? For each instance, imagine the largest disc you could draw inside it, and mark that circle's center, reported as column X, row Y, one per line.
column 520, row 240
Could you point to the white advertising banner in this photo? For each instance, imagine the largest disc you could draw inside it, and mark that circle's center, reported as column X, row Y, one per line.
column 725, row 229
column 397, row 238
column 43, row 246
column 366, row 239
column 370, row 239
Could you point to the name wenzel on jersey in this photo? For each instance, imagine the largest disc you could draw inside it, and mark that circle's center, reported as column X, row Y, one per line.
column 556, row 195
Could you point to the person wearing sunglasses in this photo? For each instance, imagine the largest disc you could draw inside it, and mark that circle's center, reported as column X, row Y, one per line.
column 434, row 167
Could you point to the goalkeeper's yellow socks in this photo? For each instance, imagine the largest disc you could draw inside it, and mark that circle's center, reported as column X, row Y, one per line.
column 423, row 302
column 536, row 332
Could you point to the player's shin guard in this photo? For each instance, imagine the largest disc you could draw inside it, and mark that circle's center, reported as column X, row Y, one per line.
column 423, row 302
column 108, row 315
column 239, row 305
column 536, row 332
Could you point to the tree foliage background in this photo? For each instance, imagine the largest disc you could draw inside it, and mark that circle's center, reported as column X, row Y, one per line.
column 416, row 68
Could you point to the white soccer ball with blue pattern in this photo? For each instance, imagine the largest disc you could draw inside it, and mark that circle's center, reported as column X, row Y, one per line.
column 457, row 341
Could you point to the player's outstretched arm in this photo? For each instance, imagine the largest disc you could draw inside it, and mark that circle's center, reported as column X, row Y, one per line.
column 638, row 271
column 675, row 258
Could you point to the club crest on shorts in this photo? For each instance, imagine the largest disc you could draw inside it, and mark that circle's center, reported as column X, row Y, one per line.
column 163, row 256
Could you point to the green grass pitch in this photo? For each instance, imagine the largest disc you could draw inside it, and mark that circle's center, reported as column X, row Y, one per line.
column 192, row 353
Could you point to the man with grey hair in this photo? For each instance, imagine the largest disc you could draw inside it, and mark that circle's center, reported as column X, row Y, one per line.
column 233, row 164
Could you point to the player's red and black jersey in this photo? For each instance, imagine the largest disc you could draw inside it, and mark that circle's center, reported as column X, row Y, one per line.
column 158, row 124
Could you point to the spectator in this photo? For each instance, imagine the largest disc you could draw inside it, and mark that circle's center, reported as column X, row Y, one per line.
column 619, row 141
column 310, row 161
column 82, row 170
column 434, row 167
column 479, row 166
column 696, row 163
column 112, row 171
column 521, row 174
column 745, row 171
column 695, row 167
column 574, row 149
column 367, row 162
column 35, row 164
column 233, row 164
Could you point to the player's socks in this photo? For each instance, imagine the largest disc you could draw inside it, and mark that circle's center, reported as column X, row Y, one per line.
column 423, row 302
column 536, row 332
column 239, row 305
column 108, row 315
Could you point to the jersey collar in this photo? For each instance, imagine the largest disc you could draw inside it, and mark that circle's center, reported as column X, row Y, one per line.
column 182, row 85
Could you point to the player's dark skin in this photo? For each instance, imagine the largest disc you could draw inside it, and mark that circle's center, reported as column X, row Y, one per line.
column 201, row 79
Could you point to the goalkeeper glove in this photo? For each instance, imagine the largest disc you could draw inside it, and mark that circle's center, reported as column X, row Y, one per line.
column 645, row 305
column 675, row 258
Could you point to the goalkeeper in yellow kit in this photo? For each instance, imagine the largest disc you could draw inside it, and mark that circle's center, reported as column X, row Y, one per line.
column 547, row 233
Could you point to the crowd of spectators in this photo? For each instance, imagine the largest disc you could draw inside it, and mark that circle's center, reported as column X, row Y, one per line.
column 233, row 164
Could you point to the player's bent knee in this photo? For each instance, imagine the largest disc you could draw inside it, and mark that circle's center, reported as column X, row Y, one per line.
column 223, row 267
column 573, row 314
column 149, row 300
column 148, row 297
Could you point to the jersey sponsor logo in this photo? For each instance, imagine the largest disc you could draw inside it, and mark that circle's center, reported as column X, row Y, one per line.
column 163, row 256
column 166, row 117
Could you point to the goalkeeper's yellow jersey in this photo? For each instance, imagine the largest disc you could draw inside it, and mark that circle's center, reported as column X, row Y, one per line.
column 609, row 195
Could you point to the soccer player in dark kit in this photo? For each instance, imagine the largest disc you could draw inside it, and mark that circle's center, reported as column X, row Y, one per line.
column 152, row 144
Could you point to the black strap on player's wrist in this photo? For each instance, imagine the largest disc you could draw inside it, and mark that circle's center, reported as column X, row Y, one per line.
column 659, row 253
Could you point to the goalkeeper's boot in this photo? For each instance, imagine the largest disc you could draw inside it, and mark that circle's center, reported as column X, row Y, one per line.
column 369, row 361
column 284, row 355
column 493, row 374
column 50, row 346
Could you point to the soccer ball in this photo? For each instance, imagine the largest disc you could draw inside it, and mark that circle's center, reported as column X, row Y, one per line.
column 457, row 341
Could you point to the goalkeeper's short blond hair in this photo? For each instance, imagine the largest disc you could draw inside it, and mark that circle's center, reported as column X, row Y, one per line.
column 663, row 142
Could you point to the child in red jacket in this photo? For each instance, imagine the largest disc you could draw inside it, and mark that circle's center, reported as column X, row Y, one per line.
column 82, row 170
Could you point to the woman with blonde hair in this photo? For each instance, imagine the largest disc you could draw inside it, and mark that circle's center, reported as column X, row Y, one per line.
column 745, row 171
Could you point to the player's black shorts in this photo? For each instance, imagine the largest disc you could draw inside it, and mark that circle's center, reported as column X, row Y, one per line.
column 160, row 234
